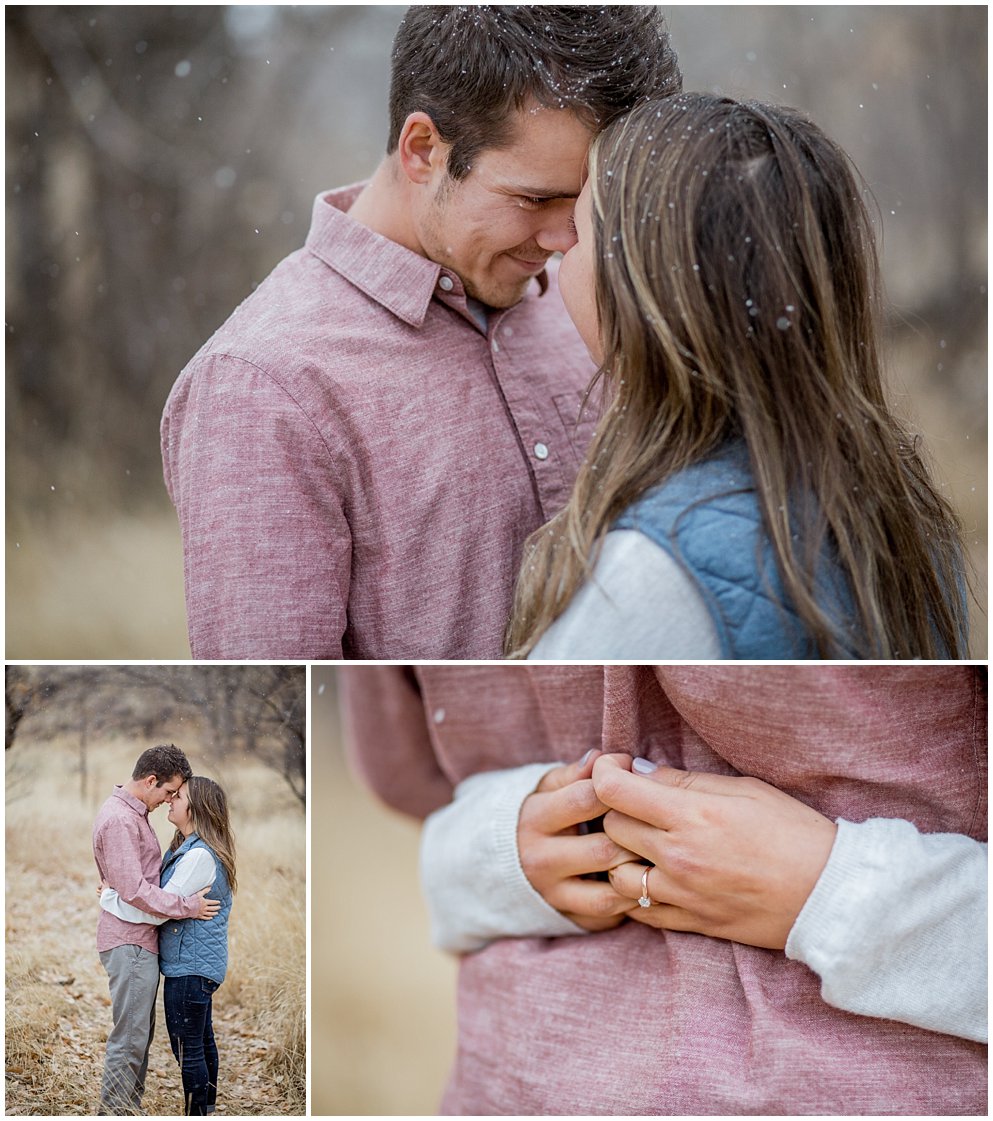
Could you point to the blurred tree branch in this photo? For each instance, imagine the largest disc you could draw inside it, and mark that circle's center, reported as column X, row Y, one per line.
column 113, row 132
column 148, row 189
column 258, row 710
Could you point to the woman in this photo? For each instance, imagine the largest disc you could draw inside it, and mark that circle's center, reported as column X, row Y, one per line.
column 193, row 955
column 747, row 494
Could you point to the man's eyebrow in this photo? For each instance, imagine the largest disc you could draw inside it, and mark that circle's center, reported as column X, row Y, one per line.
column 539, row 192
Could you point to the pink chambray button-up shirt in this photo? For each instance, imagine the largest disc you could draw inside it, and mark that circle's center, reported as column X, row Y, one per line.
column 356, row 464
column 128, row 857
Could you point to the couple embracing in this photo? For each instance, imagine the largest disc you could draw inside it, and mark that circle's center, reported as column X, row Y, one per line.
column 163, row 914
column 382, row 455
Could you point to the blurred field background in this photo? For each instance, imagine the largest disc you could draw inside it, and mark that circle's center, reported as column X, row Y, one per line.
column 80, row 732
column 161, row 160
column 382, row 998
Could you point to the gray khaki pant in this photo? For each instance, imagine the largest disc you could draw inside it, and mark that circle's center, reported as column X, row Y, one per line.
column 134, row 982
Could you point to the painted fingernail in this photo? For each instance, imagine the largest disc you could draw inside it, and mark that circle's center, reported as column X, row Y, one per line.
column 643, row 766
column 586, row 758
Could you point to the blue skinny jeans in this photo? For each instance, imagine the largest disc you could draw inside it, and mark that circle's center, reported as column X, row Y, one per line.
column 188, row 1004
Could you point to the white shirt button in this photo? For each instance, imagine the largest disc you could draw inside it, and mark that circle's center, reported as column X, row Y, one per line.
column 540, row 451
column 446, row 284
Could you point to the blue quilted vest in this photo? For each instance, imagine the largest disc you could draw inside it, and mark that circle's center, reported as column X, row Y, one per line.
column 708, row 519
column 196, row 947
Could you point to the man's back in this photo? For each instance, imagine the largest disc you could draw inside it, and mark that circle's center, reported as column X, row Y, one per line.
column 356, row 464
column 704, row 1025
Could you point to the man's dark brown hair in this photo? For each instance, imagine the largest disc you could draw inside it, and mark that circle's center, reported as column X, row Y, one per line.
column 469, row 68
column 164, row 762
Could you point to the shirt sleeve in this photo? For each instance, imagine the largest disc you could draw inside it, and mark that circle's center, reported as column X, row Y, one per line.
column 266, row 545
column 387, row 738
column 896, row 927
column 639, row 604
column 118, row 846
column 471, row 873
column 194, row 870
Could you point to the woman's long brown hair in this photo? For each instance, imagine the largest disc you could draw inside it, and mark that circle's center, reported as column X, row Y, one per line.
column 209, row 818
column 738, row 294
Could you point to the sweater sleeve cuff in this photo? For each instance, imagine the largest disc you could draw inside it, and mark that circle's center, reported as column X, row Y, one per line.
column 473, row 881
column 818, row 935
column 895, row 927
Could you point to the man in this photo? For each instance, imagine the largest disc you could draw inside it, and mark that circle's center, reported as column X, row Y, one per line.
column 359, row 453
column 127, row 854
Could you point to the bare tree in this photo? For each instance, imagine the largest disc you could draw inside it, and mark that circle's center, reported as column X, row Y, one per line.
column 258, row 710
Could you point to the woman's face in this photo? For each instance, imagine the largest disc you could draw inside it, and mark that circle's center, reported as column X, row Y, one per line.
column 179, row 810
column 577, row 278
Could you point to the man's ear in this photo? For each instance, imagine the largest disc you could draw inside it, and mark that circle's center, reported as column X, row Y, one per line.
column 421, row 151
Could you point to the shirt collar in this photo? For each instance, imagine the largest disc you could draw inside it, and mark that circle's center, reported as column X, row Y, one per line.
column 130, row 800
column 396, row 277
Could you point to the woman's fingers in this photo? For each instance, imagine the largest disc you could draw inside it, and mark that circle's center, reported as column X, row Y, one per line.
column 582, row 900
column 661, row 796
column 553, row 811
column 594, row 925
column 634, row 835
column 650, row 799
column 663, row 917
column 628, row 880
column 560, row 858
column 567, row 810
column 567, row 773
column 557, row 856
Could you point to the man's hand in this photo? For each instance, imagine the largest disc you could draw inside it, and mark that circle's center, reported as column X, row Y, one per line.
column 734, row 857
column 208, row 907
column 555, row 854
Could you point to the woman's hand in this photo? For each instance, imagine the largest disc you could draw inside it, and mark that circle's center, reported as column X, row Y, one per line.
column 734, row 857
column 555, row 854
column 103, row 885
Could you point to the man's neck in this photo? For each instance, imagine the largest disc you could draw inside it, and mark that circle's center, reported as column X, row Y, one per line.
column 136, row 790
column 382, row 206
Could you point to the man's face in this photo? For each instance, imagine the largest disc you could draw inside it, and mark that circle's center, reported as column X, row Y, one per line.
column 498, row 226
column 156, row 795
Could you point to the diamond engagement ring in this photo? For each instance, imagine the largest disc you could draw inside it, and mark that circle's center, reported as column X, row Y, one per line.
column 645, row 900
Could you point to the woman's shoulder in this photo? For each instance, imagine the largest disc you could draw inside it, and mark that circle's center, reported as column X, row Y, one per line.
column 640, row 603
column 197, row 852
column 715, row 493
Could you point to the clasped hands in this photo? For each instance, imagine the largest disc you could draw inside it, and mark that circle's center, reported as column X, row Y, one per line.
column 733, row 857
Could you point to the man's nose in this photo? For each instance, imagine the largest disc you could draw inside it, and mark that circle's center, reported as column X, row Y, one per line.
column 557, row 234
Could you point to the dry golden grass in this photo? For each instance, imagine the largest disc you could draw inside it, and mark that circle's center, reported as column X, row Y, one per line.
column 57, row 1003
column 90, row 587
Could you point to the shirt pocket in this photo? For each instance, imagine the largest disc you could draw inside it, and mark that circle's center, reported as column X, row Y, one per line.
column 578, row 421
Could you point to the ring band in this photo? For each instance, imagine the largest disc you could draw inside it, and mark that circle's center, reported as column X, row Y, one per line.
column 646, row 900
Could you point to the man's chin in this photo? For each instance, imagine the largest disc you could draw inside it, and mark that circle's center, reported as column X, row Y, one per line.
column 498, row 296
